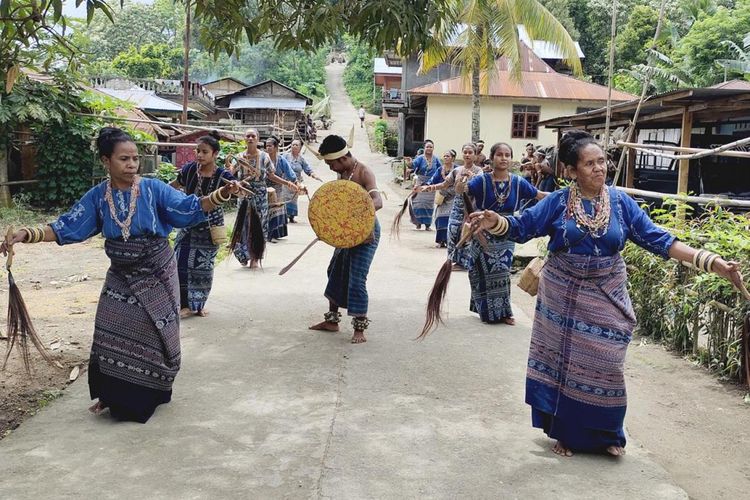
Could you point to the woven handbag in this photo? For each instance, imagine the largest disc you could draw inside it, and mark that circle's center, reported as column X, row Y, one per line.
column 529, row 280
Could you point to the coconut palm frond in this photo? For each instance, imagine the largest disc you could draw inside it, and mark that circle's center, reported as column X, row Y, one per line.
column 542, row 25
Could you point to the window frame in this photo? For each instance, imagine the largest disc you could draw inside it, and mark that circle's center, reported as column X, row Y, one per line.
column 525, row 121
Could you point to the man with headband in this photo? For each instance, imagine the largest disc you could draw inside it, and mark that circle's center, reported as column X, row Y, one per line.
column 347, row 272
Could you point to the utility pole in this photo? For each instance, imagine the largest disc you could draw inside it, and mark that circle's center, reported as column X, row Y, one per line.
column 185, row 74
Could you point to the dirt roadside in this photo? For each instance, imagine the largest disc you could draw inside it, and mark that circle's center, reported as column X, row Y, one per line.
column 61, row 287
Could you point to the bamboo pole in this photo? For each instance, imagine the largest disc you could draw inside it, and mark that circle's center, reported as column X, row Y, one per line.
column 702, row 200
column 164, row 124
column 634, row 124
column 687, row 131
column 610, row 72
column 185, row 74
column 649, row 148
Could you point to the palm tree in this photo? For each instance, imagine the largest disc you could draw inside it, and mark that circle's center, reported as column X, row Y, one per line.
column 475, row 33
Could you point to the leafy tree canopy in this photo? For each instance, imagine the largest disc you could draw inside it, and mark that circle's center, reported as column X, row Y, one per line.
column 702, row 46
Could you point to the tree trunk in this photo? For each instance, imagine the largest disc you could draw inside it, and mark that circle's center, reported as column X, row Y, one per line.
column 5, row 198
column 475, row 103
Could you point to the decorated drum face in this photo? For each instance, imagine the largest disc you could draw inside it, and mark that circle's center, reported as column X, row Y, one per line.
column 342, row 214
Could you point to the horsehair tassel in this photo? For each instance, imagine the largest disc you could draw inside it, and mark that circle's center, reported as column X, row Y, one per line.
column 239, row 223
column 298, row 257
column 20, row 327
column 257, row 238
column 396, row 226
column 433, row 314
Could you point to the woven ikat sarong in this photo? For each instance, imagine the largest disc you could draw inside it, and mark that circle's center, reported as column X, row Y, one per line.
column 422, row 205
column 137, row 329
column 582, row 327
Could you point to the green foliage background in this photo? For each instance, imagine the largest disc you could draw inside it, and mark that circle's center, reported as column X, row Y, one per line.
column 359, row 74
column 677, row 305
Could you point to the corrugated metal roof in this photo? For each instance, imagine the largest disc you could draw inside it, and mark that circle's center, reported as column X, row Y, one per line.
column 538, row 81
column 144, row 99
column 286, row 103
column 732, row 85
column 381, row 67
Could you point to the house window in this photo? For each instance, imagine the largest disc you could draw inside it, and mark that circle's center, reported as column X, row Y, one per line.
column 525, row 122
column 580, row 110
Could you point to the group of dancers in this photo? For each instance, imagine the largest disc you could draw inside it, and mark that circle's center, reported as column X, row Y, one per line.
column 454, row 191
column 135, row 354
column 583, row 322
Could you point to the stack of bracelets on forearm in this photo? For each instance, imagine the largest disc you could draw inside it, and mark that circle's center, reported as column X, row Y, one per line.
column 500, row 228
column 217, row 198
column 34, row 234
column 703, row 260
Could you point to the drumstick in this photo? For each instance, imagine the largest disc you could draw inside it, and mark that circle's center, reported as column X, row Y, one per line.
column 226, row 181
column 308, row 247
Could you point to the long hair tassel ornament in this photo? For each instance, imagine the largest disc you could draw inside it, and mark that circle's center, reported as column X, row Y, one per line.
column 433, row 315
column 20, row 329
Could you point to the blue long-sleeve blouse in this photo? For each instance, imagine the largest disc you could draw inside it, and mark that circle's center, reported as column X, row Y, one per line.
column 438, row 177
column 299, row 164
column 627, row 221
column 284, row 170
column 420, row 167
column 158, row 209
column 485, row 192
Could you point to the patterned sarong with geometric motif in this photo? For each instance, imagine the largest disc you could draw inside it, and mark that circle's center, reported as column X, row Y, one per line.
column 137, row 329
column 582, row 327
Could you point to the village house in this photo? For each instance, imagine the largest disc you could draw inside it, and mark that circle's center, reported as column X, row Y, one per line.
column 436, row 105
column 269, row 106
column 224, row 86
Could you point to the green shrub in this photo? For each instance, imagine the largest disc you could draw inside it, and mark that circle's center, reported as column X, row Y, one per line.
column 676, row 304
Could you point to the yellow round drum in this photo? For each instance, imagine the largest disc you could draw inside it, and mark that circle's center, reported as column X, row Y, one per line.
column 342, row 214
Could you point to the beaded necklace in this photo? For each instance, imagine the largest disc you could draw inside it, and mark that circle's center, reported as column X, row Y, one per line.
column 598, row 223
column 134, row 192
column 502, row 194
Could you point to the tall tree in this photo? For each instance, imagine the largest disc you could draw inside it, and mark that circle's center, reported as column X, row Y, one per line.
column 475, row 33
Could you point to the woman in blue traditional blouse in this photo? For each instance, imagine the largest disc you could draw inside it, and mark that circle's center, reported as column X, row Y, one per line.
column 444, row 205
column 489, row 275
column 584, row 318
column 135, row 355
column 423, row 204
column 195, row 247
column 299, row 166
column 277, row 216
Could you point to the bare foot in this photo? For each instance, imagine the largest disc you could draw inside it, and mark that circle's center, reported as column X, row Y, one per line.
column 560, row 449
column 97, row 408
column 185, row 312
column 202, row 313
column 325, row 326
column 359, row 338
column 254, row 264
column 510, row 320
column 616, row 451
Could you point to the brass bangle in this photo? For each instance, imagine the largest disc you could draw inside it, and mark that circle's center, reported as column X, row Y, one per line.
column 703, row 260
column 695, row 258
column 213, row 198
column 29, row 235
column 34, row 234
column 500, row 228
column 711, row 260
